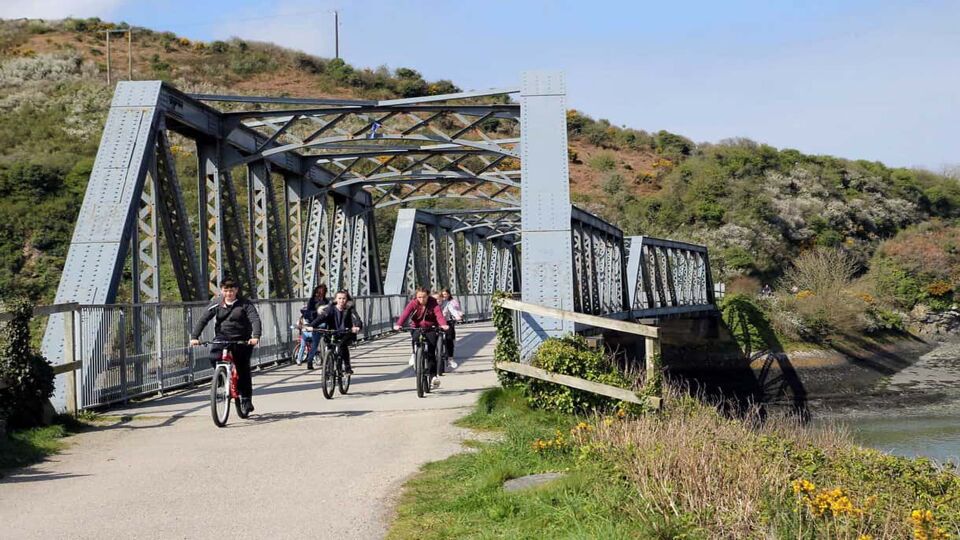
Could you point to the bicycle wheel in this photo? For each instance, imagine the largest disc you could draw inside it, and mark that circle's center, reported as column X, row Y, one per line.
column 343, row 379
column 298, row 352
column 420, row 372
column 327, row 374
column 441, row 356
column 241, row 410
column 220, row 396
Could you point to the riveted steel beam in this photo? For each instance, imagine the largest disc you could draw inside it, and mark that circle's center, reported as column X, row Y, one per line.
column 294, row 227
column 176, row 225
column 316, row 251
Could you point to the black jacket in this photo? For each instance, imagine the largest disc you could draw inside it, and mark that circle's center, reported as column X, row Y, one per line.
column 310, row 310
column 237, row 322
column 328, row 317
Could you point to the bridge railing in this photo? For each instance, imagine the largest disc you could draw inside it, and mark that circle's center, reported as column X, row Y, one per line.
column 134, row 350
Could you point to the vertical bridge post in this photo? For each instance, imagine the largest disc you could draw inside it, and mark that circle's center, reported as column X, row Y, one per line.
column 545, row 208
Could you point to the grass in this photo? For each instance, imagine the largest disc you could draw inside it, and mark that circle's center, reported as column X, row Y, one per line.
column 690, row 472
column 461, row 497
column 28, row 446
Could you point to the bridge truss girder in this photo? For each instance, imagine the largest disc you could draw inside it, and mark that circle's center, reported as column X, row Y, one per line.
column 665, row 277
column 467, row 251
column 312, row 172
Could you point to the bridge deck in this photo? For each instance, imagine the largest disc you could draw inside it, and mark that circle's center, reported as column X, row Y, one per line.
column 301, row 466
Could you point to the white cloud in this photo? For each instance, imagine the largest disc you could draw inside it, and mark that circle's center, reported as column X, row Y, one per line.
column 57, row 9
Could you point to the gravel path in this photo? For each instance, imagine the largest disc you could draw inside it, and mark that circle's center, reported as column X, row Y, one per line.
column 300, row 467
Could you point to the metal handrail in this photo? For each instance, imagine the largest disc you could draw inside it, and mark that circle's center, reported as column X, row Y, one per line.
column 126, row 351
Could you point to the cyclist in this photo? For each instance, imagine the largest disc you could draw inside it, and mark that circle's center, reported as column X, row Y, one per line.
column 453, row 313
column 317, row 300
column 236, row 320
column 307, row 313
column 424, row 313
column 340, row 316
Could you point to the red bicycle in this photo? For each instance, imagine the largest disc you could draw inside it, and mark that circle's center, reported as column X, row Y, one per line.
column 223, row 387
column 303, row 343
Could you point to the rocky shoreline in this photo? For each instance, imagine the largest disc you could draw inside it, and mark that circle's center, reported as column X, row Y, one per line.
column 930, row 386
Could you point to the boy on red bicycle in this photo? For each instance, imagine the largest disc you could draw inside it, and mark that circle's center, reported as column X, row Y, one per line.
column 236, row 320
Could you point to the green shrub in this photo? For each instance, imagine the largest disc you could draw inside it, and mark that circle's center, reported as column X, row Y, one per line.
column 613, row 184
column 29, row 375
column 570, row 355
column 738, row 258
column 893, row 285
column 219, row 47
column 885, row 319
column 76, row 25
column 249, row 62
column 829, row 238
column 672, row 145
column 506, row 349
column 710, row 213
column 603, row 161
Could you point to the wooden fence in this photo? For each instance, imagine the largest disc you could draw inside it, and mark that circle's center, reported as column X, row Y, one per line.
column 70, row 365
column 651, row 335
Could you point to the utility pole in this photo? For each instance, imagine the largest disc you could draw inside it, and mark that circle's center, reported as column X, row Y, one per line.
column 130, row 54
column 336, row 34
column 108, row 58
column 129, row 32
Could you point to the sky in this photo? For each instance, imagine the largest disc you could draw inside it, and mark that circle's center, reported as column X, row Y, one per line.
column 876, row 80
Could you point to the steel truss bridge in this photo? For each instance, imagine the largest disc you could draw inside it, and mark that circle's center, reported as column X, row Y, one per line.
column 284, row 193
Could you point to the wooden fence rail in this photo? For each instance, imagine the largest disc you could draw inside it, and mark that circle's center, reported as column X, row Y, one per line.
column 614, row 392
column 651, row 335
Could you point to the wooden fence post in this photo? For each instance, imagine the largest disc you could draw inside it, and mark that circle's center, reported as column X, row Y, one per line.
column 651, row 352
column 69, row 357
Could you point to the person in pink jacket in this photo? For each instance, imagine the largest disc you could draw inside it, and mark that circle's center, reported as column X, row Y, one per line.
column 424, row 314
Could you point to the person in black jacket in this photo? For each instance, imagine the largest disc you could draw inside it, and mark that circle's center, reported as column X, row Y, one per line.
column 317, row 300
column 236, row 320
column 342, row 316
column 307, row 313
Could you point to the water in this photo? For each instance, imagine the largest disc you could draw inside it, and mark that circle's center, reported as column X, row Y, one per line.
column 936, row 437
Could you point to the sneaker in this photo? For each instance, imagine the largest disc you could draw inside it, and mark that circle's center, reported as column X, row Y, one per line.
column 348, row 370
column 451, row 363
column 247, row 405
column 413, row 359
column 309, row 365
column 435, row 382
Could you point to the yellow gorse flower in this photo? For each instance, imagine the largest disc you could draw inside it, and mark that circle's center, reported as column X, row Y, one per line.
column 825, row 502
column 924, row 527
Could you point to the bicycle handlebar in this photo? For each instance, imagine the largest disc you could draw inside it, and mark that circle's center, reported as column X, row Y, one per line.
column 216, row 342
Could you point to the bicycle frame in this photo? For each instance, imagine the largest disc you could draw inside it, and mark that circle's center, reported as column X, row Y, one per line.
column 334, row 343
column 331, row 368
column 226, row 360
column 227, row 364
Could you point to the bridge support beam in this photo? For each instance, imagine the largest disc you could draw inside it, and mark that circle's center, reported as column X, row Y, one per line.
column 545, row 208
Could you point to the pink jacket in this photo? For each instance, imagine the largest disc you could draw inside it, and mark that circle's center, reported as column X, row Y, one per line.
column 423, row 316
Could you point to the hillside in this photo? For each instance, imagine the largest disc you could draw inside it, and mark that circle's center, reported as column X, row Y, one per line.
column 757, row 207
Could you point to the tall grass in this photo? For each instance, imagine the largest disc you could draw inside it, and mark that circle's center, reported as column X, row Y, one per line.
column 735, row 477
column 693, row 471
